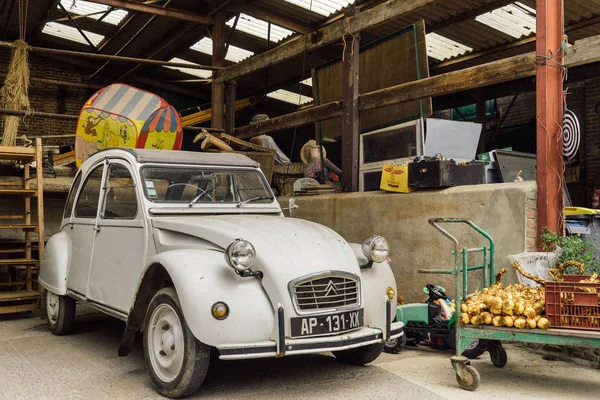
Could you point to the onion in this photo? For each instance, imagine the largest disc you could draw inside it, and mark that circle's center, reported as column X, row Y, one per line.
column 497, row 320
column 543, row 323
column 465, row 318
column 520, row 323
column 531, row 323
column 508, row 321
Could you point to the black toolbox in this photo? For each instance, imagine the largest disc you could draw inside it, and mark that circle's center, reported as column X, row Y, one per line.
column 444, row 173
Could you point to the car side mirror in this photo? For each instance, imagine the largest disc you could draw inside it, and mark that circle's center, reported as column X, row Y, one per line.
column 292, row 206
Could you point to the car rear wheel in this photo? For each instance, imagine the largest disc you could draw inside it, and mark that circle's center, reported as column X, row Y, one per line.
column 176, row 361
column 60, row 311
column 360, row 355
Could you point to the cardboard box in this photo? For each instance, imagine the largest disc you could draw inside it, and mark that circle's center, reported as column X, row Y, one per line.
column 394, row 178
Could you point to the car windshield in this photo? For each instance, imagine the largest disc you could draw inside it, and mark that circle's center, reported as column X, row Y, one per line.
column 195, row 185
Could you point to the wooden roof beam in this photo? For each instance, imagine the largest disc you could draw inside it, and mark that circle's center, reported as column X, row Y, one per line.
column 268, row 16
column 322, row 37
column 157, row 10
column 583, row 52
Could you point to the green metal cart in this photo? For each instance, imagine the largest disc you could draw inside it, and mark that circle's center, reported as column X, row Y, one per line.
column 466, row 375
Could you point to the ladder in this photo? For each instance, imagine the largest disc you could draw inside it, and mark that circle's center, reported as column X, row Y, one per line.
column 19, row 290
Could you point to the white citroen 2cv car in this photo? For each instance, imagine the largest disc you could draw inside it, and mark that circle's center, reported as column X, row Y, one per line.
column 193, row 250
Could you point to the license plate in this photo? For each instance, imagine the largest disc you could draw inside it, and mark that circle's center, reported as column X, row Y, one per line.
column 326, row 324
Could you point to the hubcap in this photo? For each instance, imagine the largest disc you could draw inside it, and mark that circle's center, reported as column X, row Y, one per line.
column 165, row 342
column 52, row 307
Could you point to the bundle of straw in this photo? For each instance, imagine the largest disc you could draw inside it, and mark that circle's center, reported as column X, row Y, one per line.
column 14, row 93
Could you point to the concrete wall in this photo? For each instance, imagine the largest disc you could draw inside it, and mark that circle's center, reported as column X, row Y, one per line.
column 503, row 210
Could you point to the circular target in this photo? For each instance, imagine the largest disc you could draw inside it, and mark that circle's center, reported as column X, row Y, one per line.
column 571, row 136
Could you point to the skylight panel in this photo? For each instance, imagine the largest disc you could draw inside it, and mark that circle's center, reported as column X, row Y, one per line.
column 516, row 20
column 234, row 54
column 289, row 97
column 70, row 33
column 441, row 48
column 322, row 7
column 259, row 28
column 307, row 82
column 81, row 7
column 201, row 73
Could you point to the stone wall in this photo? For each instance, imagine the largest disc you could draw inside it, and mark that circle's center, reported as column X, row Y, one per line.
column 506, row 211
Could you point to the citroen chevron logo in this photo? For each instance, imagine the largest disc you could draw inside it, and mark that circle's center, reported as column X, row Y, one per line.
column 331, row 288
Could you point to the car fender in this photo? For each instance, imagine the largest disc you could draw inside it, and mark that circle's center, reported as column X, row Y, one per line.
column 55, row 264
column 202, row 278
column 375, row 282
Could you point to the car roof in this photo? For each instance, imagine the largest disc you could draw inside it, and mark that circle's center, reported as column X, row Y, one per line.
column 186, row 157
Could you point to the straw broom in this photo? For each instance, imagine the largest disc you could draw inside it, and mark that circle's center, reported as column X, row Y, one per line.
column 14, row 93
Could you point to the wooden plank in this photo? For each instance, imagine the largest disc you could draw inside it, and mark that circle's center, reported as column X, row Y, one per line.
column 18, row 295
column 157, row 10
column 287, row 121
column 19, row 308
column 218, row 58
column 9, row 284
column 31, row 228
column 297, row 46
column 11, row 217
column 17, row 153
column 350, row 116
column 230, row 106
column 11, row 251
column 24, row 192
column 18, row 261
column 265, row 15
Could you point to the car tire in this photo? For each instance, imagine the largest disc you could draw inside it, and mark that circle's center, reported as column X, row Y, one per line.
column 360, row 355
column 173, row 373
column 395, row 346
column 60, row 312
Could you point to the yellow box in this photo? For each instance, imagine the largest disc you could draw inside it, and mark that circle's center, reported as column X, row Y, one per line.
column 394, row 178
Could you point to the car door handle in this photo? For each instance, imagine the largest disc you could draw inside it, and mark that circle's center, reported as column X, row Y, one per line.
column 97, row 228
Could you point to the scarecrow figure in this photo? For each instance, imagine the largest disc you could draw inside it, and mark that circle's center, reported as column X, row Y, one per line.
column 267, row 141
column 325, row 172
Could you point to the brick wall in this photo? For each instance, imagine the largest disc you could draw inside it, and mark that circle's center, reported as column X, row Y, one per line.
column 47, row 98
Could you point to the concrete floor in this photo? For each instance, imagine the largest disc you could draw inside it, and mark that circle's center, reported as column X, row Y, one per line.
column 34, row 364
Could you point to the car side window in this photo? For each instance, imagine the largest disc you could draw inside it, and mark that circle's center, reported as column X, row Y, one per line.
column 87, row 202
column 121, row 200
column 72, row 194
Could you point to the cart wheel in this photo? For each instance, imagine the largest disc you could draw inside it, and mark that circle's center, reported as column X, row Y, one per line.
column 498, row 356
column 472, row 380
column 395, row 346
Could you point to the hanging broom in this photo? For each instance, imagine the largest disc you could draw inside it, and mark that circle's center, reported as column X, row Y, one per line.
column 14, row 93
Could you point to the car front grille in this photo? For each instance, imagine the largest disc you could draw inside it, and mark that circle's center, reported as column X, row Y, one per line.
column 327, row 292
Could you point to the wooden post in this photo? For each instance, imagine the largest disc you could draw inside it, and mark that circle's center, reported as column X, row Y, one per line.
column 549, row 103
column 230, row 89
column 480, row 107
column 218, row 56
column 350, row 117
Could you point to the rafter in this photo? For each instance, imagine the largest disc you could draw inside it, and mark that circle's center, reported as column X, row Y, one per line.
column 157, row 10
column 276, row 19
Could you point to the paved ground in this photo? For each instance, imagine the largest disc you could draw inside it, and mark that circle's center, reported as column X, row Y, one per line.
column 35, row 364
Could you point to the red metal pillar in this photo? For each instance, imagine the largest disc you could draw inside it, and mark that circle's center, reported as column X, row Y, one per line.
column 549, row 103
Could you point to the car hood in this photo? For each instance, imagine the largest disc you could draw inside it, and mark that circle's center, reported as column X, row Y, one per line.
column 286, row 248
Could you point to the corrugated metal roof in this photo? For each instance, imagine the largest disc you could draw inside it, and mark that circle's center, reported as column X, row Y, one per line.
column 322, row 7
column 441, row 48
column 234, row 54
column 70, row 33
column 81, row 7
column 516, row 20
column 289, row 97
column 259, row 28
column 201, row 73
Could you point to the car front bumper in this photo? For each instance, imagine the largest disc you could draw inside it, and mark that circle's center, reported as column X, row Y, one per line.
column 287, row 346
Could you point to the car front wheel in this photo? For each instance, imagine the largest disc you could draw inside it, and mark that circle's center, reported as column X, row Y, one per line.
column 60, row 311
column 176, row 361
column 360, row 355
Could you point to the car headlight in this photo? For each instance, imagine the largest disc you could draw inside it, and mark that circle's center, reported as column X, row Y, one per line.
column 376, row 248
column 240, row 255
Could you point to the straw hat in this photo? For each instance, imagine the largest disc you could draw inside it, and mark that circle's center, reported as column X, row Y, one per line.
column 305, row 151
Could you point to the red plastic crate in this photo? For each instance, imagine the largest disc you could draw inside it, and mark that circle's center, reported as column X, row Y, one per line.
column 569, row 306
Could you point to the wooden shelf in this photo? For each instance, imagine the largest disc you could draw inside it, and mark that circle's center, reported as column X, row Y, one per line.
column 17, row 153
column 18, row 261
column 19, row 295
column 11, row 251
column 15, row 283
column 30, row 228
column 23, row 192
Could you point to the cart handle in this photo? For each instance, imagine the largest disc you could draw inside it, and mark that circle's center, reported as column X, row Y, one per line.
column 436, row 221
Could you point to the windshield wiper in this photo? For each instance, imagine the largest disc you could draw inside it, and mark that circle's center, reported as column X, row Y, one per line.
column 253, row 199
column 201, row 195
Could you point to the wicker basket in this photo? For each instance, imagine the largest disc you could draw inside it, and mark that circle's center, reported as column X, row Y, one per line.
column 266, row 161
column 289, row 169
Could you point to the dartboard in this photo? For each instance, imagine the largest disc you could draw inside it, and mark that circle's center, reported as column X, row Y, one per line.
column 571, row 135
